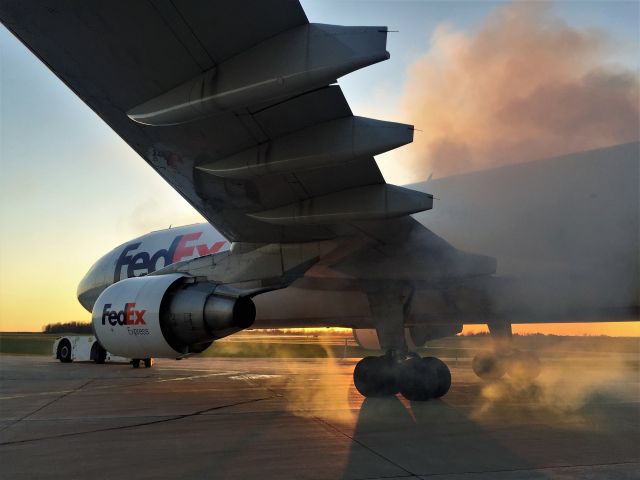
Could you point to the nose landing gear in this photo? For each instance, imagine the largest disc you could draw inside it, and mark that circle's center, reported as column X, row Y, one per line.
column 416, row 378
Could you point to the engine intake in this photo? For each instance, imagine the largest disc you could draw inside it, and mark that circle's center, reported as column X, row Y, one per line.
column 168, row 315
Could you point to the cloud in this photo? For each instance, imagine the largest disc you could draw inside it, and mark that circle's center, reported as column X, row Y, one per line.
column 524, row 86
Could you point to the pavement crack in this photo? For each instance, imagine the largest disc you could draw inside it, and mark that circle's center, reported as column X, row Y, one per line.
column 42, row 407
column 363, row 445
column 327, row 425
column 134, row 425
column 335, row 429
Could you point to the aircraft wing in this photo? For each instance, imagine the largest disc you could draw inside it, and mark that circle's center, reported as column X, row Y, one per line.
column 233, row 103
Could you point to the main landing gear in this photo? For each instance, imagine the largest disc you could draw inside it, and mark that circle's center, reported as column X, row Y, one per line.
column 398, row 371
column 416, row 378
column 505, row 359
column 517, row 364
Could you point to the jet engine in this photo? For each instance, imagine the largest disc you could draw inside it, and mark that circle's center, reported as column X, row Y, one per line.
column 415, row 336
column 168, row 315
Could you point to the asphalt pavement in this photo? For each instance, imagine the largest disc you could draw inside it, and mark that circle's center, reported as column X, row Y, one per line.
column 303, row 419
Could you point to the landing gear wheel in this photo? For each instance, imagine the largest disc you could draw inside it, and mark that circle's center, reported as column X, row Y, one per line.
column 488, row 366
column 419, row 380
column 135, row 363
column 98, row 353
column 524, row 366
column 375, row 377
column 64, row 351
column 148, row 362
column 443, row 373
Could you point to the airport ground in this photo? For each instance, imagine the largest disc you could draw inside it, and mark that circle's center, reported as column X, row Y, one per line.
column 340, row 344
column 232, row 417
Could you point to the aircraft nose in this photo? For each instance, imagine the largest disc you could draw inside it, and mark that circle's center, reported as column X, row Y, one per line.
column 84, row 292
column 85, row 300
column 93, row 283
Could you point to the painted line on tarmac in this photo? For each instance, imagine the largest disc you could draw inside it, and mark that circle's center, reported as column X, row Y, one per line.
column 254, row 376
column 193, row 377
column 107, row 387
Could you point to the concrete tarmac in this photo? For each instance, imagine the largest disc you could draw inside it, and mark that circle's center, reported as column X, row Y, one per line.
column 302, row 419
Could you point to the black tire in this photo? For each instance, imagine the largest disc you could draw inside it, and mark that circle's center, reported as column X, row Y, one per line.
column 148, row 362
column 375, row 377
column 442, row 372
column 524, row 366
column 419, row 380
column 64, row 351
column 488, row 366
column 135, row 363
column 98, row 354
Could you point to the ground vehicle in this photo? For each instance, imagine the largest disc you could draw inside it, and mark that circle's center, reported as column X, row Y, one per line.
column 82, row 348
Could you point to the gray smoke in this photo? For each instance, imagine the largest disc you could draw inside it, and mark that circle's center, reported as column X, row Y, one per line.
column 524, row 86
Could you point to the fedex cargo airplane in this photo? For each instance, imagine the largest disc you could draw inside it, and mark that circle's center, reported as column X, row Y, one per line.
column 235, row 104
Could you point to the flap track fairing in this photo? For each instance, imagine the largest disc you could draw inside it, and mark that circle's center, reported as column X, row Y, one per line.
column 296, row 61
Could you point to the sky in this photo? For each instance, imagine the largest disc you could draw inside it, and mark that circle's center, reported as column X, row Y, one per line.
column 71, row 189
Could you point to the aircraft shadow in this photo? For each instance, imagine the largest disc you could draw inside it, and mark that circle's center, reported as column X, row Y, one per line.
column 428, row 438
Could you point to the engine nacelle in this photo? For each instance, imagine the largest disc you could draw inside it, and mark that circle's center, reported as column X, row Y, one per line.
column 415, row 336
column 167, row 315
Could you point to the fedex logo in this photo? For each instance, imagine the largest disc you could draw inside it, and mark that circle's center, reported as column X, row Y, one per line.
column 127, row 316
column 141, row 263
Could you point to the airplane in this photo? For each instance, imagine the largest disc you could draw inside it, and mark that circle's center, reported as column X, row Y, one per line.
column 236, row 105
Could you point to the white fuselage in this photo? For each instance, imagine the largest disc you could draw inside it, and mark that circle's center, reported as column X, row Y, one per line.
column 566, row 229
column 148, row 253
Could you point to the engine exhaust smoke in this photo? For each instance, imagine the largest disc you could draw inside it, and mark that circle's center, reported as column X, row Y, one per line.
column 524, row 86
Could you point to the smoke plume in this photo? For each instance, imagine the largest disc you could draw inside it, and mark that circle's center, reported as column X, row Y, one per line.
column 524, row 86
column 581, row 379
